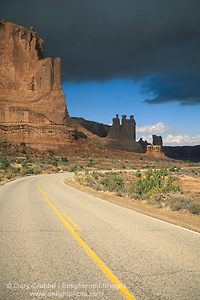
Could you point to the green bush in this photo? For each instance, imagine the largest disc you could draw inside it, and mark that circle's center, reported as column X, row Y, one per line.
column 64, row 159
column 71, row 169
column 138, row 174
column 4, row 163
column 154, row 182
column 50, row 152
column 23, row 151
column 19, row 161
column 112, row 183
column 104, row 181
column 54, row 163
column 24, row 164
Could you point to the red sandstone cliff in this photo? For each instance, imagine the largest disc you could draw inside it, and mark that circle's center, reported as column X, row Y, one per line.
column 30, row 86
column 32, row 102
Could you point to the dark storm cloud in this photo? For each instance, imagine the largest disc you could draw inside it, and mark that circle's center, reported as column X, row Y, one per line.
column 101, row 40
column 180, row 87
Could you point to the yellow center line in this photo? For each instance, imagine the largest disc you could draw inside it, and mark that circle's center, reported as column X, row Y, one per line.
column 72, row 222
column 124, row 291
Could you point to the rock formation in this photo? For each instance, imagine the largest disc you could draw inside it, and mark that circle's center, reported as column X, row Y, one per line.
column 30, row 86
column 96, row 128
column 157, row 140
column 183, row 152
column 123, row 131
column 32, row 101
column 122, row 136
column 154, row 150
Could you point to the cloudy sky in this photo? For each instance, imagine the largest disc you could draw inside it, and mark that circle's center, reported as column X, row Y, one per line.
column 139, row 57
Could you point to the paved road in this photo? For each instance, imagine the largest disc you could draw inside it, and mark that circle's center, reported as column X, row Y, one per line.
column 59, row 243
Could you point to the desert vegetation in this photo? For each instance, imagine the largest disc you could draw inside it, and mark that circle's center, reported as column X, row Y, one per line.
column 158, row 187
column 163, row 183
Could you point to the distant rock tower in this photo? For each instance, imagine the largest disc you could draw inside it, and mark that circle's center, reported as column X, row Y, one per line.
column 157, row 140
column 156, row 148
column 123, row 131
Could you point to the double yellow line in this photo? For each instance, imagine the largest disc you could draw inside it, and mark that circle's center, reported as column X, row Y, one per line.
column 124, row 291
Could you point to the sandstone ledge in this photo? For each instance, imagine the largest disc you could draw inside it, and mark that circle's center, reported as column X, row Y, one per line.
column 40, row 137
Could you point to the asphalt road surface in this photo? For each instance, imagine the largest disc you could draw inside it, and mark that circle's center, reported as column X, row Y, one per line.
column 60, row 243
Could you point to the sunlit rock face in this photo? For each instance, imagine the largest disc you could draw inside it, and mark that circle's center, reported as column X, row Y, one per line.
column 30, row 86
column 32, row 101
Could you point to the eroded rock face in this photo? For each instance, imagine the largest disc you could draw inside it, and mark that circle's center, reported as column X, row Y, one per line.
column 30, row 86
column 154, row 150
column 41, row 137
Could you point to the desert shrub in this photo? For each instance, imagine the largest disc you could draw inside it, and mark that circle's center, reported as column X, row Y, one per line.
column 9, row 175
column 24, row 171
column 54, row 163
column 194, row 206
column 176, row 204
column 4, row 163
column 112, row 183
column 14, row 170
column 37, row 170
column 71, row 169
column 51, row 152
column 30, row 171
column 177, row 201
column 155, row 182
column 19, row 161
column 24, row 164
column 138, row 174
column 64, row 159
column 29, row 159
column 174, row 169
column 95, row 175
column 89, row 181
column 104, row 181
column 23, row 151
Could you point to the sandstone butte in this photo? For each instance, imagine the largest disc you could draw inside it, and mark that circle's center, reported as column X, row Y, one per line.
column 32, row 102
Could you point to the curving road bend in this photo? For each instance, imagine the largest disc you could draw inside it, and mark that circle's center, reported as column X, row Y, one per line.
column 60, row 243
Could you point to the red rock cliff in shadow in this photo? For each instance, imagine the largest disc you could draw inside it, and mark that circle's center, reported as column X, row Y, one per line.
column 30, row 86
